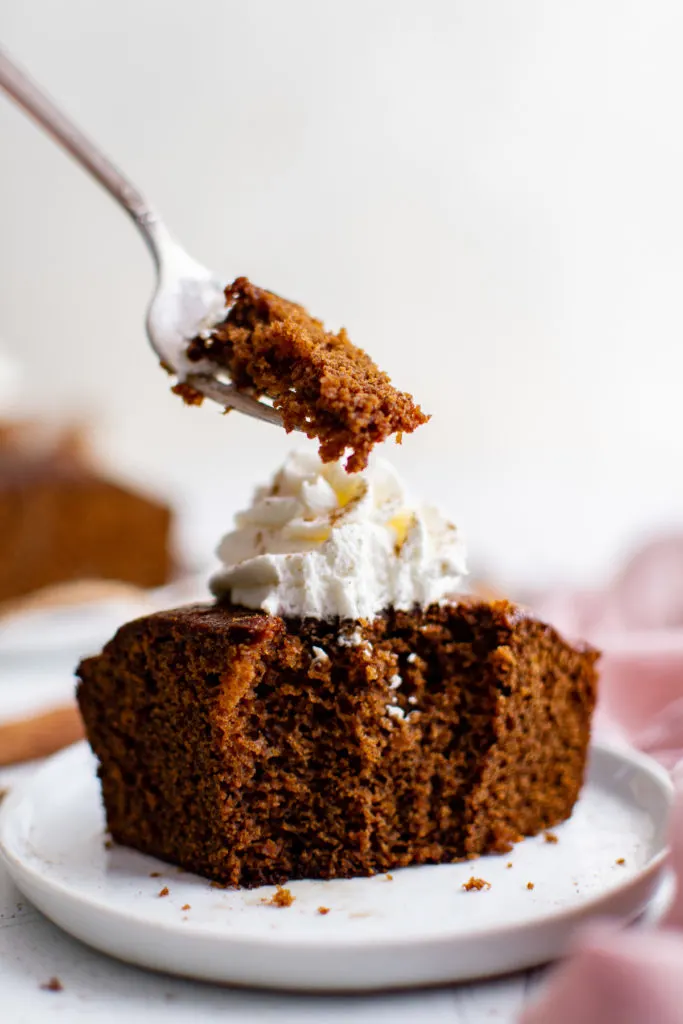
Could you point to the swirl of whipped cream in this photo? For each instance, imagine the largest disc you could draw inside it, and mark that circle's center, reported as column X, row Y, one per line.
column 323, row 544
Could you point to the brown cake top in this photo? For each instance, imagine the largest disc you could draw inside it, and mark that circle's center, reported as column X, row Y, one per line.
column 494, row 620
column 319, row 381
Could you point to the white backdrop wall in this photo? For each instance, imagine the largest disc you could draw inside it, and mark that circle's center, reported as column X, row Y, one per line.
column 486, row 194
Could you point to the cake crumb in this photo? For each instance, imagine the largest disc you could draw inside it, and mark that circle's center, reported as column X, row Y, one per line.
column 323, row 910
column 3, row 794
column 164, row 891
column 186, row 906
column 189, row 395
column 529, row 885
column 509, row 864
column 620, row 860
column 280, row 898
column 108, row 844
column 218, row 885
column 476, row 884
column 155, row 874
column 53, row 985
column 390, row 878
column 550, row 837
column 354, row 639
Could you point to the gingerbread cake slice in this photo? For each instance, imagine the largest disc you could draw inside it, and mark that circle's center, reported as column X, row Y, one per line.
column 254, row 749
column 320, row 382
column 342, row 708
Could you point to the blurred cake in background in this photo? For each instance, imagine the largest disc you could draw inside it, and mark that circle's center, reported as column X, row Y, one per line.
column 63, row 518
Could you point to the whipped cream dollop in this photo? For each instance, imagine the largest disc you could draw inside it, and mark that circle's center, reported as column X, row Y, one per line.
column 324, row 544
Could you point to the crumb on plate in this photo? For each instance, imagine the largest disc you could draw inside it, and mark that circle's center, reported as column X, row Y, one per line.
column 476, row 884
column 620, row 860
column 550, row 837
column 164, row 891
column 323, row 910
column 186, row 906
column 53, row 985
column 280, row 898
column 529, row 885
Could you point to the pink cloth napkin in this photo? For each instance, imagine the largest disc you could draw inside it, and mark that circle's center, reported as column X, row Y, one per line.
column 614, row 974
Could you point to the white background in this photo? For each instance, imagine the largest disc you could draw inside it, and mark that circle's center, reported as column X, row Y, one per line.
column 486, row 194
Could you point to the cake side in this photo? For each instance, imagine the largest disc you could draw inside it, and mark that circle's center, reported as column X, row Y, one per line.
column 159, row 708
column 533, row 773
column 254, row 749
column 319, row 381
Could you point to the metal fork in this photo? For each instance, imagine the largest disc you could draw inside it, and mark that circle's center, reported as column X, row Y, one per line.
column 188, row 299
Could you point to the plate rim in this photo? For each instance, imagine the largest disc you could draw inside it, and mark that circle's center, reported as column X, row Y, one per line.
column 19, row 870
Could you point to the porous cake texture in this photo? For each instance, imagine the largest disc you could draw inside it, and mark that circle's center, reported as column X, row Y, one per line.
column 320, row 382
column 253, row 749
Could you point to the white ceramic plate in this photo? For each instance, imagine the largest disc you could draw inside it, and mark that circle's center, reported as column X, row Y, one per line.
column 419, row 928
column 56, row 637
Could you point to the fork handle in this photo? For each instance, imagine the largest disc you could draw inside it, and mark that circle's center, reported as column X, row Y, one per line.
column 28, row 95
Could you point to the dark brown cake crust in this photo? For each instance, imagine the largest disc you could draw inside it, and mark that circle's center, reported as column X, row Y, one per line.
column 319, row 381
column 231, row 747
